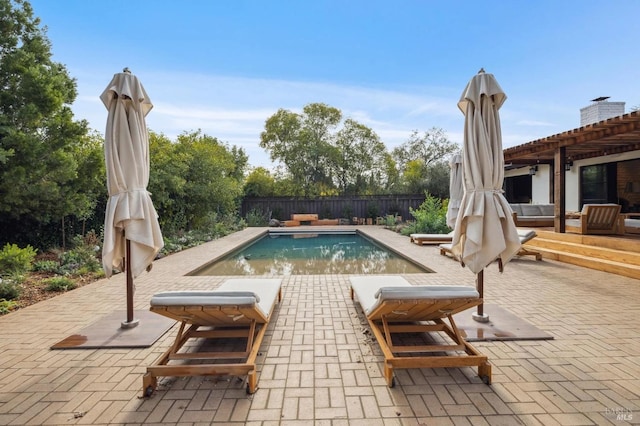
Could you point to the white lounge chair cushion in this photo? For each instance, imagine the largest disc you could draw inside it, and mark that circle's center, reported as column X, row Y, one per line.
column 526, row 235
column 267, row 290
column 237, row 291
column 204, row 298
column 365, row 288
column 432, row 236
column 373, row 290
column 432, row 292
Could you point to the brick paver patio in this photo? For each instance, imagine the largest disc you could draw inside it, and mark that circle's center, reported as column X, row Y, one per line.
column 319, row 366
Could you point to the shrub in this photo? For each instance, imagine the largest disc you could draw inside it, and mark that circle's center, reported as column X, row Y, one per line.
column 59, row 284
column 390, row 221
column 9, row 290
column 46, row 266
column 430, row 218
column 257, row 218
column 82, row 258
column 14, row 260
column 372, row 210
column 7, row 306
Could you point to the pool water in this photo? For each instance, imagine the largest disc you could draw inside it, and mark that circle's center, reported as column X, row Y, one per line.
column 310, row 254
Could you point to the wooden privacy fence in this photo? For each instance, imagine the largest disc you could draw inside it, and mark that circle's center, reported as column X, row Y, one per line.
column 347, row 207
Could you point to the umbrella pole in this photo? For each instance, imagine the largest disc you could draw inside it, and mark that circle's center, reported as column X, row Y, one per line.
column 479, row 315
column 130, row 323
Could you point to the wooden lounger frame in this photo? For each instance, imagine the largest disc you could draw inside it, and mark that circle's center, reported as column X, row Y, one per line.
column 211, row 322
column 410, row 316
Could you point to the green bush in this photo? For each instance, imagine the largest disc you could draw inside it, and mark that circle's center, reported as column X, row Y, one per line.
column 14, row 260
column 7, row 306
column 214, row 227
column 430, row 218
column 46, row 266
column 9, row 290
column 82, row 258
column 59, row 284
column 372, row 210
column 72, row 261
column 257, row 218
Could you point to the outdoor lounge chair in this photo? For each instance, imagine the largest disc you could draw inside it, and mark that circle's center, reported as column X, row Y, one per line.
column 524, row 235
column 394, row 307
column 422, row 239
column 601, row 219
column 238, row 309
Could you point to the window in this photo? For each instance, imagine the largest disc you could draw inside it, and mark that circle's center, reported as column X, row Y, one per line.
column 598, row 183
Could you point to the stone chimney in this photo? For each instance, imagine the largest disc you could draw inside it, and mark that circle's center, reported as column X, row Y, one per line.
column 599, row 110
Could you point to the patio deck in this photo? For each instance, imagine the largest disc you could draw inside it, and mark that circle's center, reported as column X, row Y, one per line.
column 318, row 367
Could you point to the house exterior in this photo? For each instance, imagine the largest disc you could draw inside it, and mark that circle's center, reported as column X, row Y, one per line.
column 598, row 162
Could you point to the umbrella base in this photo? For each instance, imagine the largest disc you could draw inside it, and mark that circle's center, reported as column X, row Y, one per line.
column 480, row 317
column 129, row 324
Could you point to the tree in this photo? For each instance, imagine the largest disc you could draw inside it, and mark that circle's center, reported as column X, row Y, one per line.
column 39, row 140
column 321, row 157
column 259, row 183
column 303, row 143
column 194, row 179
column 360, row 161
column 431, row 147
column 423, row 161
column 167, row 182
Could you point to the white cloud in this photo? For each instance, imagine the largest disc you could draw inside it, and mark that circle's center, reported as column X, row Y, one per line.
column 235, row 109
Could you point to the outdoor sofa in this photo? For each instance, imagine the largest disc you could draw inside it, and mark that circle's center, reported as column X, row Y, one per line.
column 533, row 214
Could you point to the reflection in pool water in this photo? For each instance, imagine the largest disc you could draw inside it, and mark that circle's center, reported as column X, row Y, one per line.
column 309, row 254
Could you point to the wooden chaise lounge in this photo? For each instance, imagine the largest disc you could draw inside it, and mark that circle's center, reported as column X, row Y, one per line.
column 523, row 235
column 394, row 307
column 238, row 309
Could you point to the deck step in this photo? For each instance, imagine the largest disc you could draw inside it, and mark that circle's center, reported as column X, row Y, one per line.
column 616, row 255
column 590, row 251
column 606, row 265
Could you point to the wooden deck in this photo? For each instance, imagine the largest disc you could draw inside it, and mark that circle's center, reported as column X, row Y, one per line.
column 617, row 254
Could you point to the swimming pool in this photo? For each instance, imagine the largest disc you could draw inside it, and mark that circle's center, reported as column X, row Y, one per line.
column 305, row 253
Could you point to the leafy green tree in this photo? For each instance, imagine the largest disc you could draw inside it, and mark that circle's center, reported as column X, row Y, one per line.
column 322, row 156
column 303, row 143
column 437, row 179
column 431, row 147
column 88, row 192
column 423, row 161
column 361, row 160
column 414, row 178
column 259, row 183
column 167, row 182
column 193, row 179
column 39, row 140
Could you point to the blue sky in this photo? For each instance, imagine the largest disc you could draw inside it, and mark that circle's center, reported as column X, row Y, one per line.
column 396, row 66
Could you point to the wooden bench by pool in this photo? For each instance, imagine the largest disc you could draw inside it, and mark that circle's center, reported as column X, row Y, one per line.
column 304, row 217
column 298, row 219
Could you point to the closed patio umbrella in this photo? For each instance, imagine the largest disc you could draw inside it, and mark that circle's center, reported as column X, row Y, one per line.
column 455, row 189
column 132, row 236
column 484, row 230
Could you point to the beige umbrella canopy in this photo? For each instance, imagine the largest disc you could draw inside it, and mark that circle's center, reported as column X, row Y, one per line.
column 455, row 189
column 132, row 236
column 484, row 230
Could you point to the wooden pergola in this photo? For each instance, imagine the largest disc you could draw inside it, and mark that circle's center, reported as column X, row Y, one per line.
column 611, row 136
